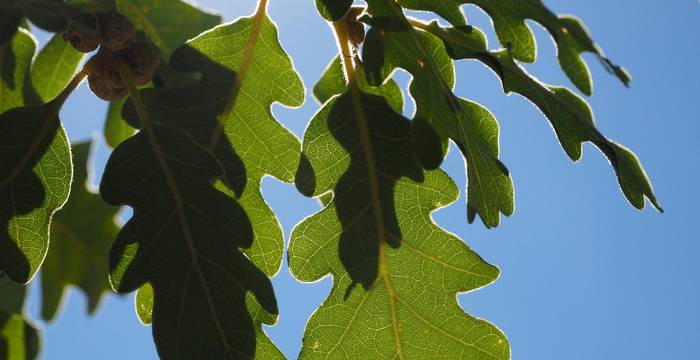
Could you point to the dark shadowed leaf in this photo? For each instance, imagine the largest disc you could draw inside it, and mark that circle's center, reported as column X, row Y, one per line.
column 333, row 10
column 81, row 234
column 396, row 273
column 49, row 15
column 19, row 338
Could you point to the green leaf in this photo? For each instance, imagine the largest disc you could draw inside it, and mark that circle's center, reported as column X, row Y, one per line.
column 570, row 116
column 81, row 234
column 333, row 10
column 49, row 15
column 19, row 338
column 116, row 129
column 570, row 35
column 391, row 43
column 183, row 239
column 15, row 65
column 54, row 67
column 377, row 232
column 332, row 83
column 35, row 170
column 250, row 145
column 144, row 304
column 167, row 23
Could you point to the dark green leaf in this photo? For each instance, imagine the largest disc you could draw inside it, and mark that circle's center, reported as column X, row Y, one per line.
column 570, row 35
column 81, row 234
column 570, row 116
column 251, row 145
column 35, row 169
column 49, row 15
column 183, row 239
column 333, row 10
column 391, row 43
column 19, row 338
column 376, row 232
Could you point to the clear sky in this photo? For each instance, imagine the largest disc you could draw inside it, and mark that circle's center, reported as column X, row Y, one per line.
column 584, row 275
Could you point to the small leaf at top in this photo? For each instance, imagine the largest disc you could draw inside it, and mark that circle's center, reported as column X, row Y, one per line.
column 396, row 273
column 167, row 23
column 333, row 10
column 571, row 36
column 81, row 234
column 49, row 15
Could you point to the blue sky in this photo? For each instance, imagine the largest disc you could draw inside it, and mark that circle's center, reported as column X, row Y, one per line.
column 584, row 275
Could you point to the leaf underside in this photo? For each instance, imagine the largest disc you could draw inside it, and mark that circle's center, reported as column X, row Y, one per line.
column 250, row 145
column 81, row 234
column 396, row 273
column 35, row 161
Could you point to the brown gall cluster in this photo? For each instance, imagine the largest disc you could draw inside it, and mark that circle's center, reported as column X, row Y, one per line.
column 117, row 42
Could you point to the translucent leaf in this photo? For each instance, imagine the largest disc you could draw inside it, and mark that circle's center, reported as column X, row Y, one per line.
column 569, row 33
column 35, row 167
column 81, row 234
column 570, row 116
column 377, row 233
column 392, row 43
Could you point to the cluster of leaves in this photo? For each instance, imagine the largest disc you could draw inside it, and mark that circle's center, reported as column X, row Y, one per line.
column 191, row 148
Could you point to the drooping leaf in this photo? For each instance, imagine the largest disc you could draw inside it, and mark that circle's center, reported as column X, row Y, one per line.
column 167, row 23
column 376, row 232
column 19, row 338
column 81, row 233
column 571, row 36
column 332, row 83
column 35, row 168
column 392, row 43
column 50, row 15
column 570, row 116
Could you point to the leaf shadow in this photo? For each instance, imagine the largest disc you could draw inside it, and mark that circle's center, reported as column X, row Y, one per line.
column 194, row 262
column 26, row 134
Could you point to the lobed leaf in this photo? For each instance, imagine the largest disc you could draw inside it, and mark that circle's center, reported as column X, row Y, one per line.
column 377, row 232
column 35, row 165
column 81, row 234
column 248, row 143
column 440, row 114
column 570, row 35
column 570, row 116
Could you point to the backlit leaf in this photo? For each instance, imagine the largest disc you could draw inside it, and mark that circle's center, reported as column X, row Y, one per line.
column 81, row 233
column 396, row 273
column 570, row 116
column 35, row 168
column 391, row 44
column 569, row 33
